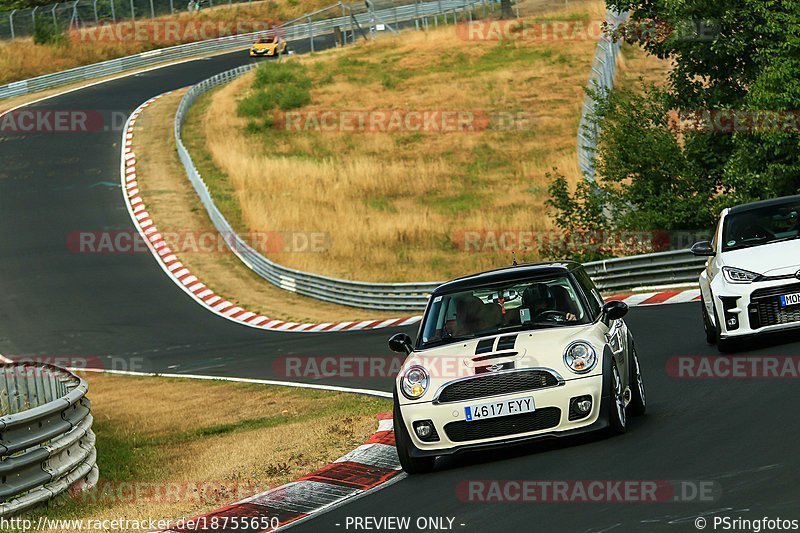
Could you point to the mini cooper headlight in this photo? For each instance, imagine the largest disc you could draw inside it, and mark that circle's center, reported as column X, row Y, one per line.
column 580, row 357
column 414, row 382
column 737, row 275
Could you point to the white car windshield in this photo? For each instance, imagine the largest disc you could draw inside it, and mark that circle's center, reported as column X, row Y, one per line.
column 761, row 226
column 517, row 306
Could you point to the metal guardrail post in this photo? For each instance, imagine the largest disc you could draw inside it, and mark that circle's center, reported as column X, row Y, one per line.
column 11, row 23
column 133, row 11
column 311, row 34
column 113, row 11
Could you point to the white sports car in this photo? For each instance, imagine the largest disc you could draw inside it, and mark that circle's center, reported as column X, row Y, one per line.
column 509, row 355
column 750, row 283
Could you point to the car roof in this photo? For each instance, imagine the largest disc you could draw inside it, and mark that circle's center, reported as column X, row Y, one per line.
column 520, row 272
column 764, row 203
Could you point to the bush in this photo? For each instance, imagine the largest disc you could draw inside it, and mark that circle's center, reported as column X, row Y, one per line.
column 292, row 97
column 46, row 31
column 275, row 74
column 283, row 86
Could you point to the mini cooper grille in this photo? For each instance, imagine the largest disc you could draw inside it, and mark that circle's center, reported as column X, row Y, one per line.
column 462, row 431
column 490, row 384
column 768, row 305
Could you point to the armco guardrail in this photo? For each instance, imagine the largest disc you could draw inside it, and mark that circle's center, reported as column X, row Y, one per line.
column 604, row 66
column 46, row 439
column 355, row 17
column 627, row 272
column 647, row 270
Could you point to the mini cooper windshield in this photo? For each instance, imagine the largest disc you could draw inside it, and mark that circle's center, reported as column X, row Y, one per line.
column 521, row 305
column 761, row 226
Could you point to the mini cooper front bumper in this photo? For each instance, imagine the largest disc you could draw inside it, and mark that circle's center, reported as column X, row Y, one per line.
column 554, row 415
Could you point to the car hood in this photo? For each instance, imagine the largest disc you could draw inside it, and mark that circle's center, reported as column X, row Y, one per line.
column 530, row 349
column 262, row 47
column 776, row 259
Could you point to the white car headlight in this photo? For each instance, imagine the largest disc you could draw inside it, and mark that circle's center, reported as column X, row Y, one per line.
column 414, row 382
column 737, row 275
column 580, row 357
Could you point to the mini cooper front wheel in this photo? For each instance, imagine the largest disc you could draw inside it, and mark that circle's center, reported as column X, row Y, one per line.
column 638, row 403
column 411, row 465
column 617, row 418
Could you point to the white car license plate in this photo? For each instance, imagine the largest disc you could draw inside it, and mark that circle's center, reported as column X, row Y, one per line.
column 501, row 408
column 790, row 299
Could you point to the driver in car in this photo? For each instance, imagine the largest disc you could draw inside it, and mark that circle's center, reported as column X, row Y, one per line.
column 539, row 298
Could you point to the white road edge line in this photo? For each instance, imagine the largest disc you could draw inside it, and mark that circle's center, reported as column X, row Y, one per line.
column 332, row 388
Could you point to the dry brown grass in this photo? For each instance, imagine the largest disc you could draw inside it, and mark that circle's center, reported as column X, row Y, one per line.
column 175, row 208
column 636, row 66
column 394, row 205
column 21, row 59
column 233, row 438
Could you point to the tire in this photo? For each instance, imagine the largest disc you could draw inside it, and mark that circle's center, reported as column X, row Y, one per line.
column 617, row 418
column 723, row 345
column 638, row 404
column 411, row 465
column 710, row 329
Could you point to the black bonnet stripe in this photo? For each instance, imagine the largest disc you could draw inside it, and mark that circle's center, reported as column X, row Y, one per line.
column 484, row 346
column 507, row 342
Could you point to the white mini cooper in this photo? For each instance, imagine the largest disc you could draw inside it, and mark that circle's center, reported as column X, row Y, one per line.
column 751, row 283
column 509, row 355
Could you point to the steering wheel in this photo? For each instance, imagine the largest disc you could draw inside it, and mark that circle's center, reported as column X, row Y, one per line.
column 552, row 315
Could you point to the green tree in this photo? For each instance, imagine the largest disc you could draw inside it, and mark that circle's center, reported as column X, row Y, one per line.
column 766, row 161
column 727, row 56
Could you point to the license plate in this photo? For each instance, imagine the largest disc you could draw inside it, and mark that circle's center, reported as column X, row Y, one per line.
column 790, row 299
column 501, row 408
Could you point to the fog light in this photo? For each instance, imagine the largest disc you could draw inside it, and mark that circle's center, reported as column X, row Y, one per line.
column 426, row 431
column 580, row 407
column 733, row 322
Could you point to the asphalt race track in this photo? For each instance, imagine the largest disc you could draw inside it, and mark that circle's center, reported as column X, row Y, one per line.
column 740, row 434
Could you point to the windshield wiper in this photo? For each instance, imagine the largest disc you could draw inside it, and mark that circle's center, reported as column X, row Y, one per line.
column 447, row 340
column 784, row 239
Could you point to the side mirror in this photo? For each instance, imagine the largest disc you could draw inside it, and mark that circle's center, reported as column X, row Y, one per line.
column 400, row 343
column 703, row 249
column 614, row 310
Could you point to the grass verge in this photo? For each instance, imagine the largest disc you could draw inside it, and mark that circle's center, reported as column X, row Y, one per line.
column 174, row 206
column 190, row 446
column 396, row 206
